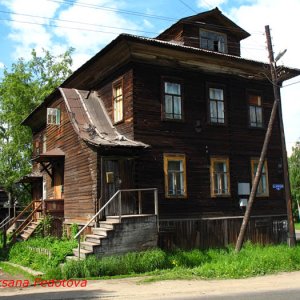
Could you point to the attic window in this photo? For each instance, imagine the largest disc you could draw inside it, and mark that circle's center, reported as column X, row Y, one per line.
column 213, row 41
column 53, row 116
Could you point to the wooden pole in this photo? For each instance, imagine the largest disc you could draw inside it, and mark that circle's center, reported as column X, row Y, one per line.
column 246, row 218
column 291, row 240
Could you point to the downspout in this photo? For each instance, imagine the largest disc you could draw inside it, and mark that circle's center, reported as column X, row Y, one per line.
column 99, row 202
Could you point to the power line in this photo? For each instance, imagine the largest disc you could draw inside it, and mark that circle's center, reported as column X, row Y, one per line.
column 188, row 6
column 76, row 22
column 231, row 44
column 135, row 13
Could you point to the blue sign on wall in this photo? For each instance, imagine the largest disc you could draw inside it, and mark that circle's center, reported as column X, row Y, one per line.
column 278, row 186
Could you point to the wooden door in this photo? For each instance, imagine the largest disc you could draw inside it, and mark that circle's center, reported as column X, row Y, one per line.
column 58, row 180
column 118, row 174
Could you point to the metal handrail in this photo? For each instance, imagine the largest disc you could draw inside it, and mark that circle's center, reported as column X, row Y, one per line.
column 4, row 222
column 120, row 209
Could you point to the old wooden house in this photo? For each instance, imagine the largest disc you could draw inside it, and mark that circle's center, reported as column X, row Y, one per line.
column 168, row 132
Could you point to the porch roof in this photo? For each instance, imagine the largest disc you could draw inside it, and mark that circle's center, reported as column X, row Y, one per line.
column 91, row 121
column 50, row 156
column 32, row 177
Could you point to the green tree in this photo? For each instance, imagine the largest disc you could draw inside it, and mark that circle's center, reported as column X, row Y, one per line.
column 22, row 88
column 294, row 170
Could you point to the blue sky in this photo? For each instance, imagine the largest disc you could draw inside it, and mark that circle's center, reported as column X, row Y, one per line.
column 97, row 22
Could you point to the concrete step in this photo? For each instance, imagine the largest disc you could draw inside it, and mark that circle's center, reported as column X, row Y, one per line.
column 94, row 238
column 88, row 246
column 83, row 253
column 101, row 231
column 106, row 224
column 113, row 219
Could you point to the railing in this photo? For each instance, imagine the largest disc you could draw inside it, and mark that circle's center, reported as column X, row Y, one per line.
column 4, row 222
column 26, row 221
column 114, row 196
column 26, row 209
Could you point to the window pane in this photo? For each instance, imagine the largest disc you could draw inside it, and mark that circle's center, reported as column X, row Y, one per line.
column 252, row 116
column 168, row 104
column 213, row 111
column 216, row 94
column 220, row 167
column 174, row 165
column 259, row 116
column 172, row 88
column 221, row 111
column 177, row 107
column 171, row 184
column 179, row 183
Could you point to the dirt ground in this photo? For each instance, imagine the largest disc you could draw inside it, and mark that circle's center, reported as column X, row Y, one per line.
column 132, row 288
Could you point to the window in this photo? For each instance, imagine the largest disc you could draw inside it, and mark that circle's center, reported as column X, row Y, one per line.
column 175, row 175
column 172, row 101
column 220, row 177
column 213, row 41
column 216, row 106
column 263, row 186
column 53, row 116
column 255, row 111
column 118, row 101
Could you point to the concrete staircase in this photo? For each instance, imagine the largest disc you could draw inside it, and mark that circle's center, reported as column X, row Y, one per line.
column 133, row 233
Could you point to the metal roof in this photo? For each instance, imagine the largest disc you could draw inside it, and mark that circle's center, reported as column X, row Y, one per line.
column 91, row 120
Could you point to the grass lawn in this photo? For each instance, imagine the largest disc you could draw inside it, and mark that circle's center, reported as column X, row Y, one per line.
column 297, row 226
column 252, row 260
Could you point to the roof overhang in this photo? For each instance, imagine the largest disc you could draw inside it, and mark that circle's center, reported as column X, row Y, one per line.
column 32, row 177
column 53, row 155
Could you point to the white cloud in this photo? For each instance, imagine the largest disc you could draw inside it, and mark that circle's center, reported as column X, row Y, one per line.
column 25, row 34
column 86, row 39
column 253, row 18
column 210, row 3
column 1, row 65
column 89, row 41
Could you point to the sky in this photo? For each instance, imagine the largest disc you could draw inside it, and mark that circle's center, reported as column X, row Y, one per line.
column 89, row 25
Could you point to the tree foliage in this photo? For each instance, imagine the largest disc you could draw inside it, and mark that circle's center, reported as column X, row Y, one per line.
column 294, row 171
column 22, row 88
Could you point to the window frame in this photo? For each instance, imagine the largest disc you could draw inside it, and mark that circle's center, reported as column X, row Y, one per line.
column 220, row 87
column 252, row 162
column 117, row 83
column 51, row 115
column 174, row 157
column 163, row 94
column 224, row 35
column 259, row 94
column 223, row 159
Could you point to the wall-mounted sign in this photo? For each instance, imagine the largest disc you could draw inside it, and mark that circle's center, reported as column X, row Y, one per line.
column 278, row 186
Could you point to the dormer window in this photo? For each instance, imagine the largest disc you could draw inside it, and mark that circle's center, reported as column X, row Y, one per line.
column 213, row 41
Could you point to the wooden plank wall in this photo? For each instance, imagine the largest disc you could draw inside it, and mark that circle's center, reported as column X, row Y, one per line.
column 218, row 233
column 235, row 140
column 80, row 169
column 105, row 93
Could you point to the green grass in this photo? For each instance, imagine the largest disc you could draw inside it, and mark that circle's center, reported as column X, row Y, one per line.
column 21, row 253
column 253, row 260
column 297, row 226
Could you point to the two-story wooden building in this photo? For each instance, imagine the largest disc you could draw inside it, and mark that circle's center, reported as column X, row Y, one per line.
column 183, row 113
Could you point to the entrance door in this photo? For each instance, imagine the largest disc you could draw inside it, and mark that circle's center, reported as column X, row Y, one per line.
column 118, row 174
column 58, row 180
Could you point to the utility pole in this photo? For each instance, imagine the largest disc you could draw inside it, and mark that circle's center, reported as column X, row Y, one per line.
column 276, row 106
column 287, row 188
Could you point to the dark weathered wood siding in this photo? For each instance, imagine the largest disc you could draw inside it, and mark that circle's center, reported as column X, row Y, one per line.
column 80, row 169
column 235, row 140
